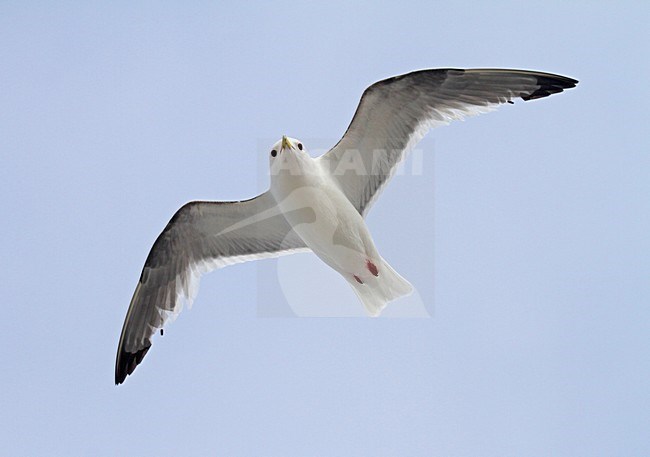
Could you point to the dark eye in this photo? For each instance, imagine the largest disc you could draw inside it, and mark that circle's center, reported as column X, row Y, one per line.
column 300, row 146
column 274, row 153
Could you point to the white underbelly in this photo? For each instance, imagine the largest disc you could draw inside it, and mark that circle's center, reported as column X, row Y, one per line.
column 329, row 225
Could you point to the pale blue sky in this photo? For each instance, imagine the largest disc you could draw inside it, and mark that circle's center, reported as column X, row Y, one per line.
column 527, row 237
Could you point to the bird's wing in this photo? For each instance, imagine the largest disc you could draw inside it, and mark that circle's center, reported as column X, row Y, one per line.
column 201, row 236
column 394, row 114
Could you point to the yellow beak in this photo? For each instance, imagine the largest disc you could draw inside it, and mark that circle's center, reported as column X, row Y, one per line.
column 286, row 144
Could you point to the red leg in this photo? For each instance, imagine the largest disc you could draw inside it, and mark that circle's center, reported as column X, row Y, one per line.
column 372, row 268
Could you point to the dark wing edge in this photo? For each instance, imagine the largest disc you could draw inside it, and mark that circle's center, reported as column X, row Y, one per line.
column 549, row 83
column 126, row 362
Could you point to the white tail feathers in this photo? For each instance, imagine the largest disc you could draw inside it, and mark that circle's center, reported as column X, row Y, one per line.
column 376, row 292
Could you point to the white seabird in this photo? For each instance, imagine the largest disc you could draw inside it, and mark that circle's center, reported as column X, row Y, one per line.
column 317, row 204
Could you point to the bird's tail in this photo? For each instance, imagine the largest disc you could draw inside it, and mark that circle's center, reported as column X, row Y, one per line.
column 376, row 291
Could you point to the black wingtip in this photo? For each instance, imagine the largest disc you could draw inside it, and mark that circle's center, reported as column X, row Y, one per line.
column 126, row 363
column 549, row 85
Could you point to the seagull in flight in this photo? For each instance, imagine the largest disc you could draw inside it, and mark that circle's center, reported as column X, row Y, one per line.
column 317, row 204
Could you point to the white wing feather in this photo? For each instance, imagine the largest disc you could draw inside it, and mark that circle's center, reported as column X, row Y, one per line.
column 393, row 115
column 198, row 239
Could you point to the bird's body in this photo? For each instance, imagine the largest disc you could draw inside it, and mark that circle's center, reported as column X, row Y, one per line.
column 317, row 204
column 326, row 221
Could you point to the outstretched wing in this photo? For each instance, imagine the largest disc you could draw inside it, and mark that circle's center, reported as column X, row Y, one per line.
column 394, row 114
column 201, row 236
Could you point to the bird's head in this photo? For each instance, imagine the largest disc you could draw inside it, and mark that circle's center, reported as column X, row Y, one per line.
column 286, row 155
